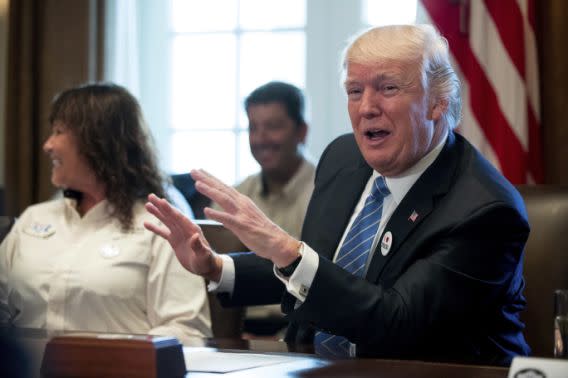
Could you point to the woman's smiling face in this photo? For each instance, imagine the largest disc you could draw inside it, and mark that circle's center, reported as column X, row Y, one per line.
column 69, row 167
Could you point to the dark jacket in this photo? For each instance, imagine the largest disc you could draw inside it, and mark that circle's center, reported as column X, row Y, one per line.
column 450, row 287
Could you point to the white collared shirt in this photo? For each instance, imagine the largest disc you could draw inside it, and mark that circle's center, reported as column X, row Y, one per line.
column 61, row 271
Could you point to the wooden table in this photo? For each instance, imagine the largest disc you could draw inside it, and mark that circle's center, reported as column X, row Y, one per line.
column 309, row 365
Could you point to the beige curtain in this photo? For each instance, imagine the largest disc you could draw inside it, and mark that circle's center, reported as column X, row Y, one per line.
column 53, row 44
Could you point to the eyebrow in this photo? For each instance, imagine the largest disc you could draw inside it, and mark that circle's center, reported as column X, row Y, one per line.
column 376, row 78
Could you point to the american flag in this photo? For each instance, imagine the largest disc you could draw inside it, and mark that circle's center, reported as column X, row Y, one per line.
column 493, row 45
column 413, row 216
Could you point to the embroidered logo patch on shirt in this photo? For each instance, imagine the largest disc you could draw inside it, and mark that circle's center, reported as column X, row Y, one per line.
column 109, row 251
column 40, row 230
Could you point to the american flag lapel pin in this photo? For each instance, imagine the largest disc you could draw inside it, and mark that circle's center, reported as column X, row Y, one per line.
column 413, row 216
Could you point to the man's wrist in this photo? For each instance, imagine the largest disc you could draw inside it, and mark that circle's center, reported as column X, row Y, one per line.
column 215, row 273
column 288, row 254
column 288, row 270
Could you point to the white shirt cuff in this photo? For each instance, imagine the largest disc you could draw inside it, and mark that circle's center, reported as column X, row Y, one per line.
column 226, row 283
column 299, row 283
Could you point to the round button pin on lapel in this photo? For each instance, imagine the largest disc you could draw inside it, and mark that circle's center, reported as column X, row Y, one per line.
column 386, row 243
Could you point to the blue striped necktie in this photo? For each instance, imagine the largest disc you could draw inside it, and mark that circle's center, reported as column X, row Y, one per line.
column 353, row 255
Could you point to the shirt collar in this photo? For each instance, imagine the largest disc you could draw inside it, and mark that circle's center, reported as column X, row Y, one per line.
column 401, row 184
column 101, row 211
column 291, row 186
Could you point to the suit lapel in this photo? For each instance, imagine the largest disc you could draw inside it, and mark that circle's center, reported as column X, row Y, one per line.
column 347, row 186
column 416, row 205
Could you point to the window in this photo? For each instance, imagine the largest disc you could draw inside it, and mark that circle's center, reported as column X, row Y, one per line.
column 217, row 58
column 191, row 63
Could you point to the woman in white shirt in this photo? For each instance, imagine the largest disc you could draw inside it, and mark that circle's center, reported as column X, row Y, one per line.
column 85, row 261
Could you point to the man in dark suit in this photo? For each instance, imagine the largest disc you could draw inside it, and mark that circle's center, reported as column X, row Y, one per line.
column 412, row 244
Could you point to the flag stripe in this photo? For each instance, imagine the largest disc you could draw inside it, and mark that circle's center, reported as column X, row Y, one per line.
column 473, row 132
column 500, row 71
column 533, row 91
column 486, row 109
column 531, row 14
column 508, row 20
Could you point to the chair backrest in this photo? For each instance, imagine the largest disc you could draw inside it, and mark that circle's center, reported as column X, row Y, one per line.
column 186, row 185
column 226, row 322
column 546, row 262
column 6, row 223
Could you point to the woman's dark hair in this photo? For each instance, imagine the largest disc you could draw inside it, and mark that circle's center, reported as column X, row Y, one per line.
column 108, row 124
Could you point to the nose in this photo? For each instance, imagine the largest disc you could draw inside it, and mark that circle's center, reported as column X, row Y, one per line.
column 258, row 135
column 370, row 104
column 47, row 145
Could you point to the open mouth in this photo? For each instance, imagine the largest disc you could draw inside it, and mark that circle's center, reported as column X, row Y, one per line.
column 376, row 134
column 265, row 151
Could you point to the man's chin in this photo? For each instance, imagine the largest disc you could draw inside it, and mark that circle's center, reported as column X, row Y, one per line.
column 268, row 164
column 58, row 183
column 381, row 164
column 270, row 170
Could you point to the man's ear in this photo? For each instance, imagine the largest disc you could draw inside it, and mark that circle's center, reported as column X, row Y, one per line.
column 438, row 109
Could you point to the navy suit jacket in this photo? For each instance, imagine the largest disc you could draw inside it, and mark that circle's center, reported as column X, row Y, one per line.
column 450, row 287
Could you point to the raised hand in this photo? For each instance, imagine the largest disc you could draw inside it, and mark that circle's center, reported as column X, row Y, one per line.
column 246, row 221
column 186, row 238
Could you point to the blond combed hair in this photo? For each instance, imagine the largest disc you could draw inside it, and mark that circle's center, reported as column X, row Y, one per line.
column 411, row 43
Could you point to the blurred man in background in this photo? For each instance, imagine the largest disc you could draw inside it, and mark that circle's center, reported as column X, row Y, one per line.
column 284, row 185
